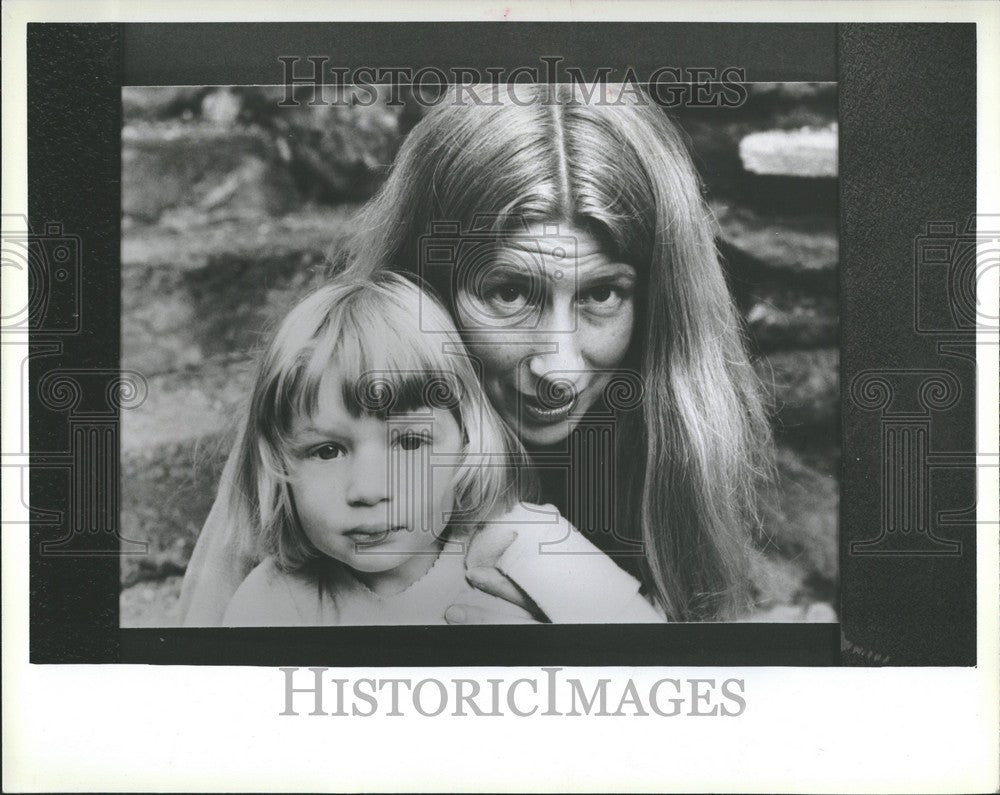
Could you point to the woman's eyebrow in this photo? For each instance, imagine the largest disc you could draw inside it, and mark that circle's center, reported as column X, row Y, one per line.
column 509, row 269
column 583, row 273
column 614, row 270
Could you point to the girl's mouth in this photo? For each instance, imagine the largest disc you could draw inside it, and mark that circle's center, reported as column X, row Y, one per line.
column 364, row 537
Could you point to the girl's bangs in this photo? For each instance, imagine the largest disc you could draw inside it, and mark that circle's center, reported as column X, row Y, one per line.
column 385, row 363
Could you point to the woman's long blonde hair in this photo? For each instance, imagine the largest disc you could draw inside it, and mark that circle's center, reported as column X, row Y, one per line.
column 394, row 349
column 691, row 462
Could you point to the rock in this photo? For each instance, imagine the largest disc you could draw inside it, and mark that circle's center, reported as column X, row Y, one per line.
column 715, row 135
column 158, row 103
column 196, row 243
column 221, row 106
column 199, row 292
column 784, row 317
column 801, row 518
column 795, row 93
column 791, row 171
column 166, row 492
column 151, row 604
column 819, row 612
column 187, row 406
column 776, row 580
column 338, row 151
column 714, row 145
column 798, row 561
column 805, row 245
column 804, row 386
column 715, row 148
column 157, row 564
column 777, row 614
column 805, row 152
column 206, row 169
column 334, row 152
column 173, row 447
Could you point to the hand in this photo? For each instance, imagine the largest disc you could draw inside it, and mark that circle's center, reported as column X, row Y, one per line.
column 477, row 614
column 485, row 549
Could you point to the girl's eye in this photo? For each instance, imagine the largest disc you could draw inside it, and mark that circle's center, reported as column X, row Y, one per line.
column 329, row 451
column 412, row 441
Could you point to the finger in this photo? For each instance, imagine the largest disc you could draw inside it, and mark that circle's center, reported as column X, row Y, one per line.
column 493, row 582
column 474, row 614
column 487, row 545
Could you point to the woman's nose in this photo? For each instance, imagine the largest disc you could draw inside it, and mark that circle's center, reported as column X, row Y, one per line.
column 558, row 361
column 560, row 354
column 562, row 370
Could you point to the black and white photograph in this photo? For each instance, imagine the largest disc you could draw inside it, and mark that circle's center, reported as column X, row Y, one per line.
column 500, row 397
column 627, row 304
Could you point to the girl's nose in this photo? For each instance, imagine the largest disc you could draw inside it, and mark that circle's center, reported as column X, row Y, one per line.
column 369, row 483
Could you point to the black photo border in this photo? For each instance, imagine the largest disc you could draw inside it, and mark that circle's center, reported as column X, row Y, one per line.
column 903, row 89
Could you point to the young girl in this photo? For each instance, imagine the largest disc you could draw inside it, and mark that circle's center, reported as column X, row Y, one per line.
column 368, row 459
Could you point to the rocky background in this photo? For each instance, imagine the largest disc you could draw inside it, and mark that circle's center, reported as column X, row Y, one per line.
column 231, row 206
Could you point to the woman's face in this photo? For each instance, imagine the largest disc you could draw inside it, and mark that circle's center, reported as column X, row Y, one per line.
column 550, row 316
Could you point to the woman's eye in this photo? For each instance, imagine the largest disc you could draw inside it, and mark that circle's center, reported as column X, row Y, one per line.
column 603, row 296
column 329, row 451
column 412, row 441
column 508, row 294
column 507, row 297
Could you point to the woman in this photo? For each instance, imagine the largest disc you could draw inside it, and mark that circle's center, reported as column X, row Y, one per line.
column 568, row 236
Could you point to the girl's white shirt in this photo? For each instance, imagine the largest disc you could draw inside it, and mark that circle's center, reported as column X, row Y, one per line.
column 570, row 579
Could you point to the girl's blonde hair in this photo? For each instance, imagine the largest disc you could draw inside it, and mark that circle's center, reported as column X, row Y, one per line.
column 691, row 462
column 395, row 350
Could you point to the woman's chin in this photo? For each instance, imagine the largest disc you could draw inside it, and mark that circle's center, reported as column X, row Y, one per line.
column 547, row 434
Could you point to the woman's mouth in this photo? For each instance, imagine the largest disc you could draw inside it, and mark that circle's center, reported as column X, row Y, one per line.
column 534, row 409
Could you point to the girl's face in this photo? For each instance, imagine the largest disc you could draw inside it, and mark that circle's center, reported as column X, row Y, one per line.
column 550, row 319
column 364, row 489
